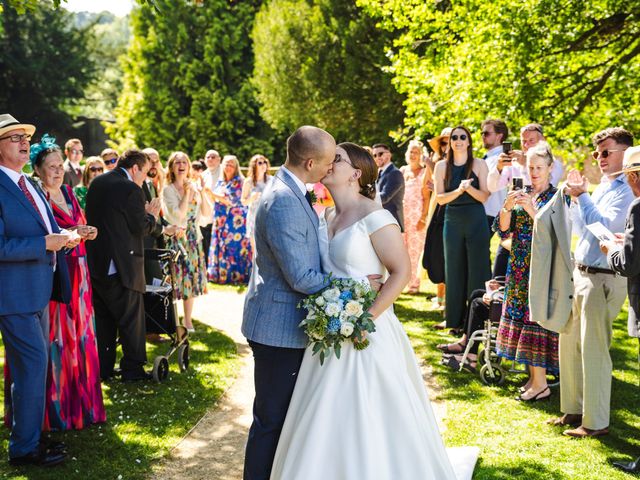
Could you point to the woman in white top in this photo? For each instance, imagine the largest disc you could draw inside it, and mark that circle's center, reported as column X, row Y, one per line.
column 183, row 206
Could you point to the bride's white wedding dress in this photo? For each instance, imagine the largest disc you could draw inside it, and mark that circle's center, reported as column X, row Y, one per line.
column 365, row 416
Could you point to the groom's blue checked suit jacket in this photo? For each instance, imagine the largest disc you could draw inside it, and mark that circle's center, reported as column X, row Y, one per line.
column 27, row 279
column 287, row 266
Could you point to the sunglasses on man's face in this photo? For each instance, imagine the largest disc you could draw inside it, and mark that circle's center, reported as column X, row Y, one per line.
column 604, row 153
column 456, row 137
column 111, row 162
column 379, row 154
column 96, row 169
column 487, row 133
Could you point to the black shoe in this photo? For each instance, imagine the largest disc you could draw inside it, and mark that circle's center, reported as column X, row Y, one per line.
column 40, row 458
column 136, row 377
column 629, row 467
column 53, row 446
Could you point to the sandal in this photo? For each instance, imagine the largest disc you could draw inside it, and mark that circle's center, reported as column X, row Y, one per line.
column 454, row 364
column 536, row 397
column 447, row 347
column 440, row 326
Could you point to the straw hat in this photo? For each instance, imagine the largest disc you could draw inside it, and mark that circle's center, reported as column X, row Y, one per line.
column 434, row 143
column 631, row 160
column 8, row 123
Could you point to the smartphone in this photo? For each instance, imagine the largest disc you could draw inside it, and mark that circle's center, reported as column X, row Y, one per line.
column 507, row 147
column 517, row 183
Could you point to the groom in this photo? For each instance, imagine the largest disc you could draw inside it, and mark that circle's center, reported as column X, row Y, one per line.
column 287, row 268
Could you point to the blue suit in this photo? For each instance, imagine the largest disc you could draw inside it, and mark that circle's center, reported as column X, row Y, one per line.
column 390, row 184
column 287, row 268
column 27, row 282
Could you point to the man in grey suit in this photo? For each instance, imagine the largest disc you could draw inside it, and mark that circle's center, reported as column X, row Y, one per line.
column 287, row 268
column 623, row 257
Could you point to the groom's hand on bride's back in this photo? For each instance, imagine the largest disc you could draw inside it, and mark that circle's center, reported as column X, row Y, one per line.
column 376, row 282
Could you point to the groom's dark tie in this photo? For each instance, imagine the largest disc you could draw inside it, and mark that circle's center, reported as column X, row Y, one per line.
column 308, row 197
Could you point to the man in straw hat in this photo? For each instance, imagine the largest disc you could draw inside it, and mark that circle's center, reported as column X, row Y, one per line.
column 585, row 362
column 32, row 272
column 623, row 257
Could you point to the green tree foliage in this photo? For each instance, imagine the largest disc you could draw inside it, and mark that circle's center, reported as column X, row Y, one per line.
column 187, row 80
column 320, row 62
column 570, row 65
column 45, row 65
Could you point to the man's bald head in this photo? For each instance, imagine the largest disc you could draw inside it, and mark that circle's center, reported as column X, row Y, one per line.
column 308, row 142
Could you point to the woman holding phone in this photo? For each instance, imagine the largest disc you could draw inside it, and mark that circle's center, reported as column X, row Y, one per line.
column 460, row 184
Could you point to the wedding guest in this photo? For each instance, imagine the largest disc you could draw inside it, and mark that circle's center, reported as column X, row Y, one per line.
column 519, row 338
column 230, row 251
column 110, row 158
column 433, row 255
column 585, row 361
column 116, row 205
column 257, row 180
column 183, row 206
column 623, row 257
column 210, row 179
column 74, row 393
column 156, row 176
column 93, row 167
column 460, row 184
column 415, row 205
column 390, row 182
column 33, row 271
column 72, row 168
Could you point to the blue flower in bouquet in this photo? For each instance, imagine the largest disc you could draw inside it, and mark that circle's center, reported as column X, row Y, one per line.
column 334, row 325
column 346, row 296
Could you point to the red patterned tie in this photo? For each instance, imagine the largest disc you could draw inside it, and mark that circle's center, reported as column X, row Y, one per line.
column 23, row 186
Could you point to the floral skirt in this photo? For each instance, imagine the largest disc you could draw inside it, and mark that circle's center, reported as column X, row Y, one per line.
column 528, row 343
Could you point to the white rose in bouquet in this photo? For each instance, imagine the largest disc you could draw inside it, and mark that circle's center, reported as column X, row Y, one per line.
column 353, row 308
column 320, row 301
column 346, row 329
column 331, row 295
column 332, row 309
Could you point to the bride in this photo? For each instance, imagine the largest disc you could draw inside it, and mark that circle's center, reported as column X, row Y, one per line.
column 365, row 416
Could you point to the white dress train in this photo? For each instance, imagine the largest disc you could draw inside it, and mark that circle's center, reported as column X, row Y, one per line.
column 365, row 416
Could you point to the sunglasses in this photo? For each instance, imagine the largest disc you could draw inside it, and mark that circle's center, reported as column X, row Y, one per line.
column 17, row 138
column 444, row 143
column 531, row 128
column 261, row 162
column 96, row 169
column 75, row 151
column 110, row 162
column 379, row 154
column 605, row 153
column 486, row 134
column 456, row 137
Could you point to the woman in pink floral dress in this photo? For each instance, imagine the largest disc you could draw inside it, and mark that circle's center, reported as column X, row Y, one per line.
column 415, row 204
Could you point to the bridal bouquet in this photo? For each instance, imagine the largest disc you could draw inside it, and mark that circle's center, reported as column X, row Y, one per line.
column 338, row 313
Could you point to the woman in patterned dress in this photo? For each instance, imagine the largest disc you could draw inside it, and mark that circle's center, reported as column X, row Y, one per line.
column 93, row 167
column 73, row 393
column 518, row 338
column 257, row 180
column 182, row 206
column 230, row 251
column 415, row 205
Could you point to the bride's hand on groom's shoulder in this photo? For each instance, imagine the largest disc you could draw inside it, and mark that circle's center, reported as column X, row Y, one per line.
column 375, row 282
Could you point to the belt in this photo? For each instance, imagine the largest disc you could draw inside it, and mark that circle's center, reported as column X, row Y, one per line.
column 587, row 269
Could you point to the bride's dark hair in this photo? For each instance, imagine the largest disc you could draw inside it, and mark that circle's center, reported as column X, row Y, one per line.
column 363, row 161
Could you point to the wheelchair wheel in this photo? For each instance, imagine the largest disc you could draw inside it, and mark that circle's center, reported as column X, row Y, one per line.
column 160, row 370
column 498, row 375
column 183, row 357
column 495, row 359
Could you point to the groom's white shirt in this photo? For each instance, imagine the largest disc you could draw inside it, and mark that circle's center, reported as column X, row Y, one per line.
column 298, row 182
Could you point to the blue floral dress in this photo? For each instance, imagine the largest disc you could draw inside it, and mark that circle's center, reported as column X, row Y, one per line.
column 519, row 339
column 230, row 251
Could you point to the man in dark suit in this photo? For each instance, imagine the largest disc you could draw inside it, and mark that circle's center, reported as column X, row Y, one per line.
column 116, row 206
column 390, row 182
column 32, row 271
column 72, row 168
column 623, row 257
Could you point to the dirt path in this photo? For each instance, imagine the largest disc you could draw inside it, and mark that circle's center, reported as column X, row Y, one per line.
column 214, row 449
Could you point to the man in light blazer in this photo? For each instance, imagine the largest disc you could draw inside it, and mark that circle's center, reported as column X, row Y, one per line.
column 390, row 183
column 623, row 257
column 585, row 361
column 287, row 268
column 33, row 271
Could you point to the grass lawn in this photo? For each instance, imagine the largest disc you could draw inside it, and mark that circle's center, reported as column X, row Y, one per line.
column 514, row 440
column 144, row 420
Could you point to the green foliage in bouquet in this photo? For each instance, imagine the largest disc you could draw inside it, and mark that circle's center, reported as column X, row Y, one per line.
column 337, row 314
